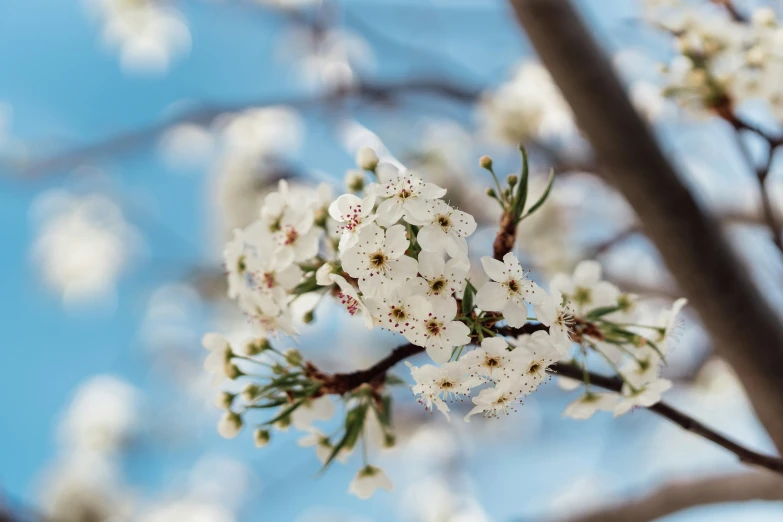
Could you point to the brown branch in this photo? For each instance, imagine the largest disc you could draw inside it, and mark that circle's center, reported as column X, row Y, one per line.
column 735, row 13
column 679, row 418
column 341, row 383
column 506, row 236
column 747, row 333
column 679, row 495
column 386, row 92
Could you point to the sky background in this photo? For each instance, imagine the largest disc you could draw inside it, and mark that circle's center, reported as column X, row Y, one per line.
column 66, row 91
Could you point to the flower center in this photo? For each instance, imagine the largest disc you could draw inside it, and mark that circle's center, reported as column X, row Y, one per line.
column 492, row 362
column 582, row 295
column 290, row 235
column 444, row 221
column 433, row 327
column 378, row 259
column 349, row 302
column 437, row 285
column 241, row 265
column 269, row 280
column 513, row 286
column 398, row 313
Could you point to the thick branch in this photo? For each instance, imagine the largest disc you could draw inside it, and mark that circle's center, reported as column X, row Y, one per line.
column 746, row 331
column 684, row 494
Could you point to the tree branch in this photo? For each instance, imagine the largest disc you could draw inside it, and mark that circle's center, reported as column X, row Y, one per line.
column 683, row 494
column 747, row 333
column 385, row 92
column 341, row 383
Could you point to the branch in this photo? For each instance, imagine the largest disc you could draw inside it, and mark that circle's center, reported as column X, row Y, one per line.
column 341, row 383
column 680, row 495
column 206, row 114
column 735, row 14
column 746, row 331
column 679, row 418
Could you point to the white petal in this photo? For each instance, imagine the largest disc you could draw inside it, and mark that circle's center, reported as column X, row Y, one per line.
column 495, row 269
column 492, row 297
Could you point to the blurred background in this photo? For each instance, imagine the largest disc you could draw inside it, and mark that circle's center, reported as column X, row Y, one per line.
column 136, row 134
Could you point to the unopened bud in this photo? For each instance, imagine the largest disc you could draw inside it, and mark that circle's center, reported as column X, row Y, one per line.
column 764, row 16
column 261, row 438
column 485, row 162
column 229, row 425
column 256, row 346
column 223, row 400
column 293, row 357
column 232, row 371
column 283, row 424
column 491, row 193
column 279, row 369
column 389, row 440
column 366, row 159
column 354, row 180
column 308, row 317
column 512, row 180
column 250, row 392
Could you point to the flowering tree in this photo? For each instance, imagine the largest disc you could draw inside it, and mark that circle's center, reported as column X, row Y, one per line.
column 486, row 297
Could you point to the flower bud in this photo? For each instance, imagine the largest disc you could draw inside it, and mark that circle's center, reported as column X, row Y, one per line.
column 283, row 424
column 512, row 180
column 354, row 180
column 261, row 438
column 293, row 357
column 229, row 425
column 250, row 392
column 223, row 400
column 366, row 159
column 485, row 162
column 309, row 317
column 256, row 346
column 232, row 371
column 491, row 193
column 389, row 440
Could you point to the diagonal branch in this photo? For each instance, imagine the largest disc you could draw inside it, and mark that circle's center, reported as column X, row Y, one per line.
column 747, row 333
column 341, row 383
column 386, row 92
column 679, row 495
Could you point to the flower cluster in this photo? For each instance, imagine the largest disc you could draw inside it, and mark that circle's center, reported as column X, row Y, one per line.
column 395, row 253
column 721, row 60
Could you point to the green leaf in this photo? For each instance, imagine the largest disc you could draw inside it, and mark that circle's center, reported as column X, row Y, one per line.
column 521, row 198
column 286, row 412
column 354, row 426
column 602, row 311
column 393, row 380
column 308, row 285
column 544, row 196
column 385, row 411
column 467, row 299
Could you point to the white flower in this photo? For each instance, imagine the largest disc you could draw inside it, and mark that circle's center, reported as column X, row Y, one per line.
column 542, row 353
column 443, row 278
column 367, row 480
column 585, row 406
column 235, row 259
column 394, row 311
column 493, row 401
column 508, row 291
column 493, row 359
column 296, row 238
column 366, row 159
column 646, row 397
column 229, row 425
column 323, row 447
column 436, row 384
column 401, row 189
column 223, row 400
column 379, row 258
column 444, row 228
column 436, row 329
column 219, row 358
column 351, row 301
column 643, row 368
column 268, row 313
column 312, row 410
column 585, row 288
column 353, row 214
column 323, row 276
column 667, row 322
column 558, row 317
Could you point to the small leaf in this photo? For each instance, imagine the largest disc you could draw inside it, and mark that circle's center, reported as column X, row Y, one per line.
column 521, row 198
column 286, row 412
column 393, row 380
column 544, row 196
column 467, row 299
column 308, row 285
column 602, row 311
